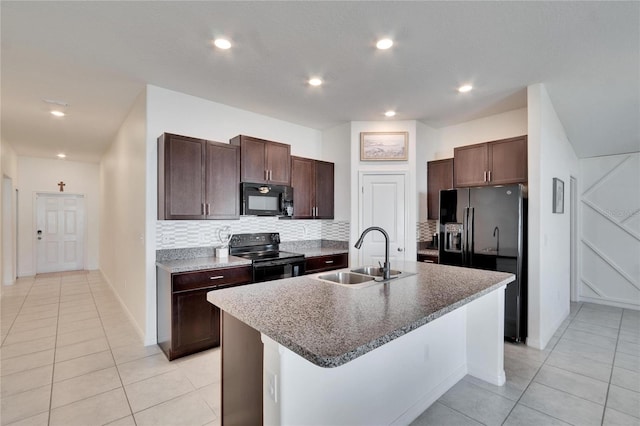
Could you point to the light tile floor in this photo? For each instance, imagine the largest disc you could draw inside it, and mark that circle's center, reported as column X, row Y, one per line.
column 70, row 356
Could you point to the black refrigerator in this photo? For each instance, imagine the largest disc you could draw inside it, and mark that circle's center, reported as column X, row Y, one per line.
column 486, row 228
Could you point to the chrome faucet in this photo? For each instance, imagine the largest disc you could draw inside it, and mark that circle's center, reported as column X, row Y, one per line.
column 496, row 231
column 386, row 269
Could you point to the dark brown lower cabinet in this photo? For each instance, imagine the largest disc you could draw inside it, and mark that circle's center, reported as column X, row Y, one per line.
column 186, row 321
column 427, row 258
column 326, row 263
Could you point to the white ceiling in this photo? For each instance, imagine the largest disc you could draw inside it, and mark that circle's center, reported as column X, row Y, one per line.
column 98, row 56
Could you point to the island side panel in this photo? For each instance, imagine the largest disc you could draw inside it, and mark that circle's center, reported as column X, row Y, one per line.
column 392, row 384
column 241, row 373
column 485, row 337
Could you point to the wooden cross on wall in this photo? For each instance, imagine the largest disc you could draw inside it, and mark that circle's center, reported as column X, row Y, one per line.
column 61, row 184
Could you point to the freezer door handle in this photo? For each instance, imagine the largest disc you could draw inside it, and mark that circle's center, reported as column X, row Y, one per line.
column 470, row 242
column 464, row 236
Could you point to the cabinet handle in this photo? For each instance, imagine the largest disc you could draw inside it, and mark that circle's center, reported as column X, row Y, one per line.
column 328, row 261
column 485, row 176
column 266, row 175
column 202, row 209
column 208, row 209
column 489, row 175
column 217, row 277
column 270, row 174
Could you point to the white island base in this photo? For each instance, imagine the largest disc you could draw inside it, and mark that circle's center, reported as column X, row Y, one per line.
column 394, row 383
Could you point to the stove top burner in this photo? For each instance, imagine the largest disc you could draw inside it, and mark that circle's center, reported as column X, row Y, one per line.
column 268, row 255
column 261, row 247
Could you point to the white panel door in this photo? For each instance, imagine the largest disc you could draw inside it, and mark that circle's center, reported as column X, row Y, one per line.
column 383, row 205
column 59, row 233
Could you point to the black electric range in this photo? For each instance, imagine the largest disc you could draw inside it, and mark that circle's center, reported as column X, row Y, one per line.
column 268, row 262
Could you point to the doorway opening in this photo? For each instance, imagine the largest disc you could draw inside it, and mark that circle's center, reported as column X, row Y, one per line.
column 60, row 232
column 8, row 232
column 573, row 211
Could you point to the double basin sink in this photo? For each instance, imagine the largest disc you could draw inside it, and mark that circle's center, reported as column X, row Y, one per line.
column 366, row 274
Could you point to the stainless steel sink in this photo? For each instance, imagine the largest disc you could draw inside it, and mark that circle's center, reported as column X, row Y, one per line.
column 346, row 278
column 374, row 271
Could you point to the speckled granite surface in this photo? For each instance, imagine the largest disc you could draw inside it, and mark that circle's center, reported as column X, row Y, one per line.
column 330, row 325
column 428, row 252
column 321, row 251
column 201, row 263
column 298, row 246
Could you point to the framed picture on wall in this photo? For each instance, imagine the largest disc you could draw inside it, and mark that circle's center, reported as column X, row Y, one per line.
column 558, row 196
column 384, row 146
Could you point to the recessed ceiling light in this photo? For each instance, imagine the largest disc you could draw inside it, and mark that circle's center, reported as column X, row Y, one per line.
column 315, row 81
column 58, row 113
column 390, row 113
column 61, row 155
column 384, row 44
column 465, row 88
column 222, row 43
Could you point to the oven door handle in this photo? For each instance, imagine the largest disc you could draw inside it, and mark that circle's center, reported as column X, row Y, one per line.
column 277, row 263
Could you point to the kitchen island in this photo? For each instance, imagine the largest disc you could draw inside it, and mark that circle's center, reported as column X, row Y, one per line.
column 306, row 351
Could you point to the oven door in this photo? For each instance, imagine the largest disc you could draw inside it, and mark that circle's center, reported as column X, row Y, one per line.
column 277, row 269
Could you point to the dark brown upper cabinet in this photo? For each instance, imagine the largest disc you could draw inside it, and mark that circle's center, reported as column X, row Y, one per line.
column 263, row 161
column 197, row 179
column 491, row 163
column 439, row 176
column 312, row 182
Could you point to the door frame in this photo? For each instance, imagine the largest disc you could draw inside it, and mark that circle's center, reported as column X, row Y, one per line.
column 573, row 251
column 361, row 175
column 84, row 225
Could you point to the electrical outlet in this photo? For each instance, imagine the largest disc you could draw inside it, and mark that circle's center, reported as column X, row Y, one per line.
column 166, row 239
column 272, row 386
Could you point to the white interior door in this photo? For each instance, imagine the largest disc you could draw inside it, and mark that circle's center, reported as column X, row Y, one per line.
column 383, row 205
column 59, row 232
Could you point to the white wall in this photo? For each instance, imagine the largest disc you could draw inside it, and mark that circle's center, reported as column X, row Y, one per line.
column 174, row 112
column 500, row 126
column 9, row 174
column 427, row 144
column 409, row 167
column 122, row 228
column 42, row 175
column 550, row 155
column 610, row 230
column 336, row 147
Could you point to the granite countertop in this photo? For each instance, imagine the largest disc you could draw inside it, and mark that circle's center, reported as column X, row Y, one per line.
column 201, row 263
column 330, row 325
column 319, row 251
column 428, row 252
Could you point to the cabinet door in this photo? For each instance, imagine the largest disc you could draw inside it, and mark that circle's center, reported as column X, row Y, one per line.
column 439, row 176
column 508, row 161
column 180, row 177
column 323, row 190
column 253, row 160
column 470, row 166
column 278, row 163
column 196, row 322
column 302, row 176
column 222, row 181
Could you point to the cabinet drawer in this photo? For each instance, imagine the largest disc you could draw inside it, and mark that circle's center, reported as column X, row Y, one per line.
column 326, row 263
column 427, row 258
column 212, row 277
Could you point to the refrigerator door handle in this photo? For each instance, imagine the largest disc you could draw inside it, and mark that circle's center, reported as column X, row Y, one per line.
column 470, row 242
column 464, row 235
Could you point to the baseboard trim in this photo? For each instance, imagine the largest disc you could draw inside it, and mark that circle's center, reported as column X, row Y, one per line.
column 609, row 302
column 126, row 310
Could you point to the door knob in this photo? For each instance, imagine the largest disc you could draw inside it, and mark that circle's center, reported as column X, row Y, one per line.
column 400, row 249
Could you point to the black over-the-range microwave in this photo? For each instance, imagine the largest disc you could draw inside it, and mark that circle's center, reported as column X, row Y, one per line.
column 261, row 199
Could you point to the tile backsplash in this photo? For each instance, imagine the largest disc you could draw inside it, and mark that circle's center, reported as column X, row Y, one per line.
column 197, row 233
column 426, row 230
column 172, row 234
